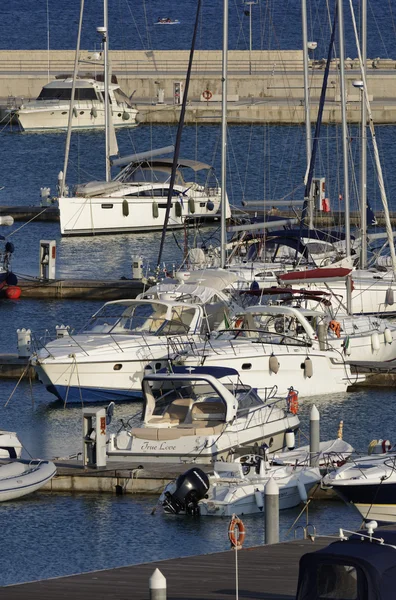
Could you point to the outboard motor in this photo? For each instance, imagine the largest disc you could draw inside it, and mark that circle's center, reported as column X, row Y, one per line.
column 191, row 487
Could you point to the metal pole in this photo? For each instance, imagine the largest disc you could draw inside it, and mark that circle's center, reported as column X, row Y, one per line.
column 308, row 133
column 250, row 38
column 363, row 147
column 314, row 436
column 344, row 146
column 106, row 87
column 271, row 509
column 223, row 241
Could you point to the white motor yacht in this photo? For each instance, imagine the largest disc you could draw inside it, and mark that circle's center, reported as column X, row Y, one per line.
column 199, row 415
column 51, row 108
column 275, row 345
column 126, row 339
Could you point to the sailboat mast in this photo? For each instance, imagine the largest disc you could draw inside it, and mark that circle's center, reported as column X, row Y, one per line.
column 106, row 86
column 344, row 145
column 363, row 142
column 308, row 133
column 223, row 239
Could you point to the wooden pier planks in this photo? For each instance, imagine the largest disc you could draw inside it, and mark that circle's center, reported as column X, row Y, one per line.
column 265, row 573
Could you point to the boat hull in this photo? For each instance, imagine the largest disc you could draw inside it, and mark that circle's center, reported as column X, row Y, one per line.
column 16, row 482
column 375, row 500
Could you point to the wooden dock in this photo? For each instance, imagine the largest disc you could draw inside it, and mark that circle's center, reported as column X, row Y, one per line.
column 265, row 573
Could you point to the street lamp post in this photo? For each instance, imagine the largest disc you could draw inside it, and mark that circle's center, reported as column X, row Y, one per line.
column 250, row 3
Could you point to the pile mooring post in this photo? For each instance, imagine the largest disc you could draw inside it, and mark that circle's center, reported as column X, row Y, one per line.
column 314, row 436
column 271, row 508
column 157, row 586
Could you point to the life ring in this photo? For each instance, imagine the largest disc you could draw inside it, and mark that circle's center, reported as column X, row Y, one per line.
column 236, row 539
column 335, row 327
column 207, row 94
column 238, row 323
column 292, row 401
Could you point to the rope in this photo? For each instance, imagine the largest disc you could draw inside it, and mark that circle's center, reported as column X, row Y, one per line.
column 27, row 222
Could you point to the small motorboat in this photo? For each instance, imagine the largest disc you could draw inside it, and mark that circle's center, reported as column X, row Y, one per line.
column 167, row 21
column 237, row 488
column 21, row 478
column 332, row 454
column 360, row 565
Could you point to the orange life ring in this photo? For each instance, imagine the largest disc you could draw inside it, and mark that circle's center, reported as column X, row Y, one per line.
column 207, row 94
column 236, row 539
column 335, row 327
column 238, row 323
column 292, row 401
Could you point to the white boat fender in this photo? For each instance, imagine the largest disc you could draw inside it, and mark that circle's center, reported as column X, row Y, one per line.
column 259, row 499
column 126, row 116
column 389, row 297
column 75, row 112
column 94, row 112
column 388, row 335
column 375, row 341
column 7, row 220
column 308, row 367
column 301, row 490
column 347, row 346
column 290, row 439
column 273, row 364
column 155, row 210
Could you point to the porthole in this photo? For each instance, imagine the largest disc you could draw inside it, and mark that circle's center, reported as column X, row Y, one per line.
column 246, row 366
column 119, row 115
column 158, row 365
column 117, row 367
column 81, row 112
column 64, row 112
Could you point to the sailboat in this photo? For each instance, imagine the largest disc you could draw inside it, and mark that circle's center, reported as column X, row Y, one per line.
column 136, row 199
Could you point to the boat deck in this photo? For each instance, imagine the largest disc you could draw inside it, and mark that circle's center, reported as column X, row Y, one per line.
column 265, row 573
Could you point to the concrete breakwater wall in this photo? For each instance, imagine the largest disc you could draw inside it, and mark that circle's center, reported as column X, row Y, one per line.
column 263, row 86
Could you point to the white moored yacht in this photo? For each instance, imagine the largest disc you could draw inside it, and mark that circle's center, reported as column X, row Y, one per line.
column 198, row 415
column 124, row 340
column 275, row 345
column 136, row 199
column 51, row 108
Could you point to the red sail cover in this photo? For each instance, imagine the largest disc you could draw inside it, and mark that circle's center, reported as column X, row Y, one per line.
column 315, row 275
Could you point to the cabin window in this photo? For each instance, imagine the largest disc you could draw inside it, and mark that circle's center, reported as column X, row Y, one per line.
column 107, row 205
column 247, row 398
column 202, row 204
column 64, row 112
column 81, row 112
column 59, row 93
column 246, row 366
column 117, row 367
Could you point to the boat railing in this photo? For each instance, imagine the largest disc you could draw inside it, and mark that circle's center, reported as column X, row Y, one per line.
column 262, row 336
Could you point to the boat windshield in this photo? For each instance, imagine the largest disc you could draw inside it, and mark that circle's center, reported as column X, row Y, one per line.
column 149, row 175
column 148, row 319
column 58, row 93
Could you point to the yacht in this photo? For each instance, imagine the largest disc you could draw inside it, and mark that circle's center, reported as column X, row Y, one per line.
column 199, row 415
column 136, row 199
column 51, row 108
column 274, row 345
column 126, row 339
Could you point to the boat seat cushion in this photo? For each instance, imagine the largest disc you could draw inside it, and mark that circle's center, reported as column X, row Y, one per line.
column 208, row 411
column 178, row 410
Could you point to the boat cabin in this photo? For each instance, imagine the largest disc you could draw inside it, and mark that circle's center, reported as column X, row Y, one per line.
column 361, row 567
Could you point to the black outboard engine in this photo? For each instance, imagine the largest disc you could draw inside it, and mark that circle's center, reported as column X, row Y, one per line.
column 191, row 487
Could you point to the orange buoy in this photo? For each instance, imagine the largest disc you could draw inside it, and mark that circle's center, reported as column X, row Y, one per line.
column 13, row 292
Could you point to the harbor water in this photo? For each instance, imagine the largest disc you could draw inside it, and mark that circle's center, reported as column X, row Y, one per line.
column 50, row 535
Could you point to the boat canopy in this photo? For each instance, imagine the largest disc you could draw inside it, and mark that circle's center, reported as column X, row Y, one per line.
column 281, row 311
column 97, row 188
column 354, row 568
column 195, row 165
column 321, row 275
column 190, row 383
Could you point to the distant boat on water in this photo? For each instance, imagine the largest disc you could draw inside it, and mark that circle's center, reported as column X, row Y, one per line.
column 167, row 21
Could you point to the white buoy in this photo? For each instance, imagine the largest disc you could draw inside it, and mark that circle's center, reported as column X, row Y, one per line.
column 302, row 491
column 157, row 586
column 290, row 439
column 259, row 499
column 389, row 297
column 388, row 335
column 273, row 364
column 375, row 341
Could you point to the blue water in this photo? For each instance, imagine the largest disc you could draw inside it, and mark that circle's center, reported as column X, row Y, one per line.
column 69, row 533
column 131, row 25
